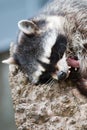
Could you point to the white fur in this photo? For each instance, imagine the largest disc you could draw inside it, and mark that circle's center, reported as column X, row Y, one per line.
column 44, row 59
column 37, row 73
column 62, row 64
column 48, row 43
column 56, row 24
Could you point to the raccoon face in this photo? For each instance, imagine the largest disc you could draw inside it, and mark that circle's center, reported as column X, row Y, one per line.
column 40, row 50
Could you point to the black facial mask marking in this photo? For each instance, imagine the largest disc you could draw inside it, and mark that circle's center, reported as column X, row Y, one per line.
column 57, row 52
column 58, row 49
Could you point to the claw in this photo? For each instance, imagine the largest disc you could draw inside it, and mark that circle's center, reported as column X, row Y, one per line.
column 69, row 67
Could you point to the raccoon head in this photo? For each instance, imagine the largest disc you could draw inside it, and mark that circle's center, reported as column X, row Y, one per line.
column 40, row 49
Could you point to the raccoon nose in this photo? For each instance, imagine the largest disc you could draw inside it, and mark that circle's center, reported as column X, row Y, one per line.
column 61, row 75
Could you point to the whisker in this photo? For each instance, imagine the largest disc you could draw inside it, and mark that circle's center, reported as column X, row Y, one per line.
column 42, row 85
column 50, row 83
column 47, row 82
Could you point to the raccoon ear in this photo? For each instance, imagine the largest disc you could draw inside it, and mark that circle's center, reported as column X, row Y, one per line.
column 9, row 61
column 28, row 27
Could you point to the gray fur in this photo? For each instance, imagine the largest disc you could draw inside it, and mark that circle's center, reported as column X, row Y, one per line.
column 65, row 17
column 75, row 26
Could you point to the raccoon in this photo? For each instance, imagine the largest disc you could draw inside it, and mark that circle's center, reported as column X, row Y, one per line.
column 53, row 44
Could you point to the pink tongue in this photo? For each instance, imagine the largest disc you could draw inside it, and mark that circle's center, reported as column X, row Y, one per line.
column 73, row 63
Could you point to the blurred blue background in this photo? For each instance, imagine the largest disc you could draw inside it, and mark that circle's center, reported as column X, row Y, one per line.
column 11, row 11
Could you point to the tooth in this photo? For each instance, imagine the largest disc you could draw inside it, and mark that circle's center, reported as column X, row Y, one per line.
column 69, row 71
column 75, row 69
column 69, row 67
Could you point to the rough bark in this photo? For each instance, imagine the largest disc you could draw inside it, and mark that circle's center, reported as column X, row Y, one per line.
column 46, row 107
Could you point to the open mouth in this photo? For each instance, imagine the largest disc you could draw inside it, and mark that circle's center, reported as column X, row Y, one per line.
column 73, row 62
